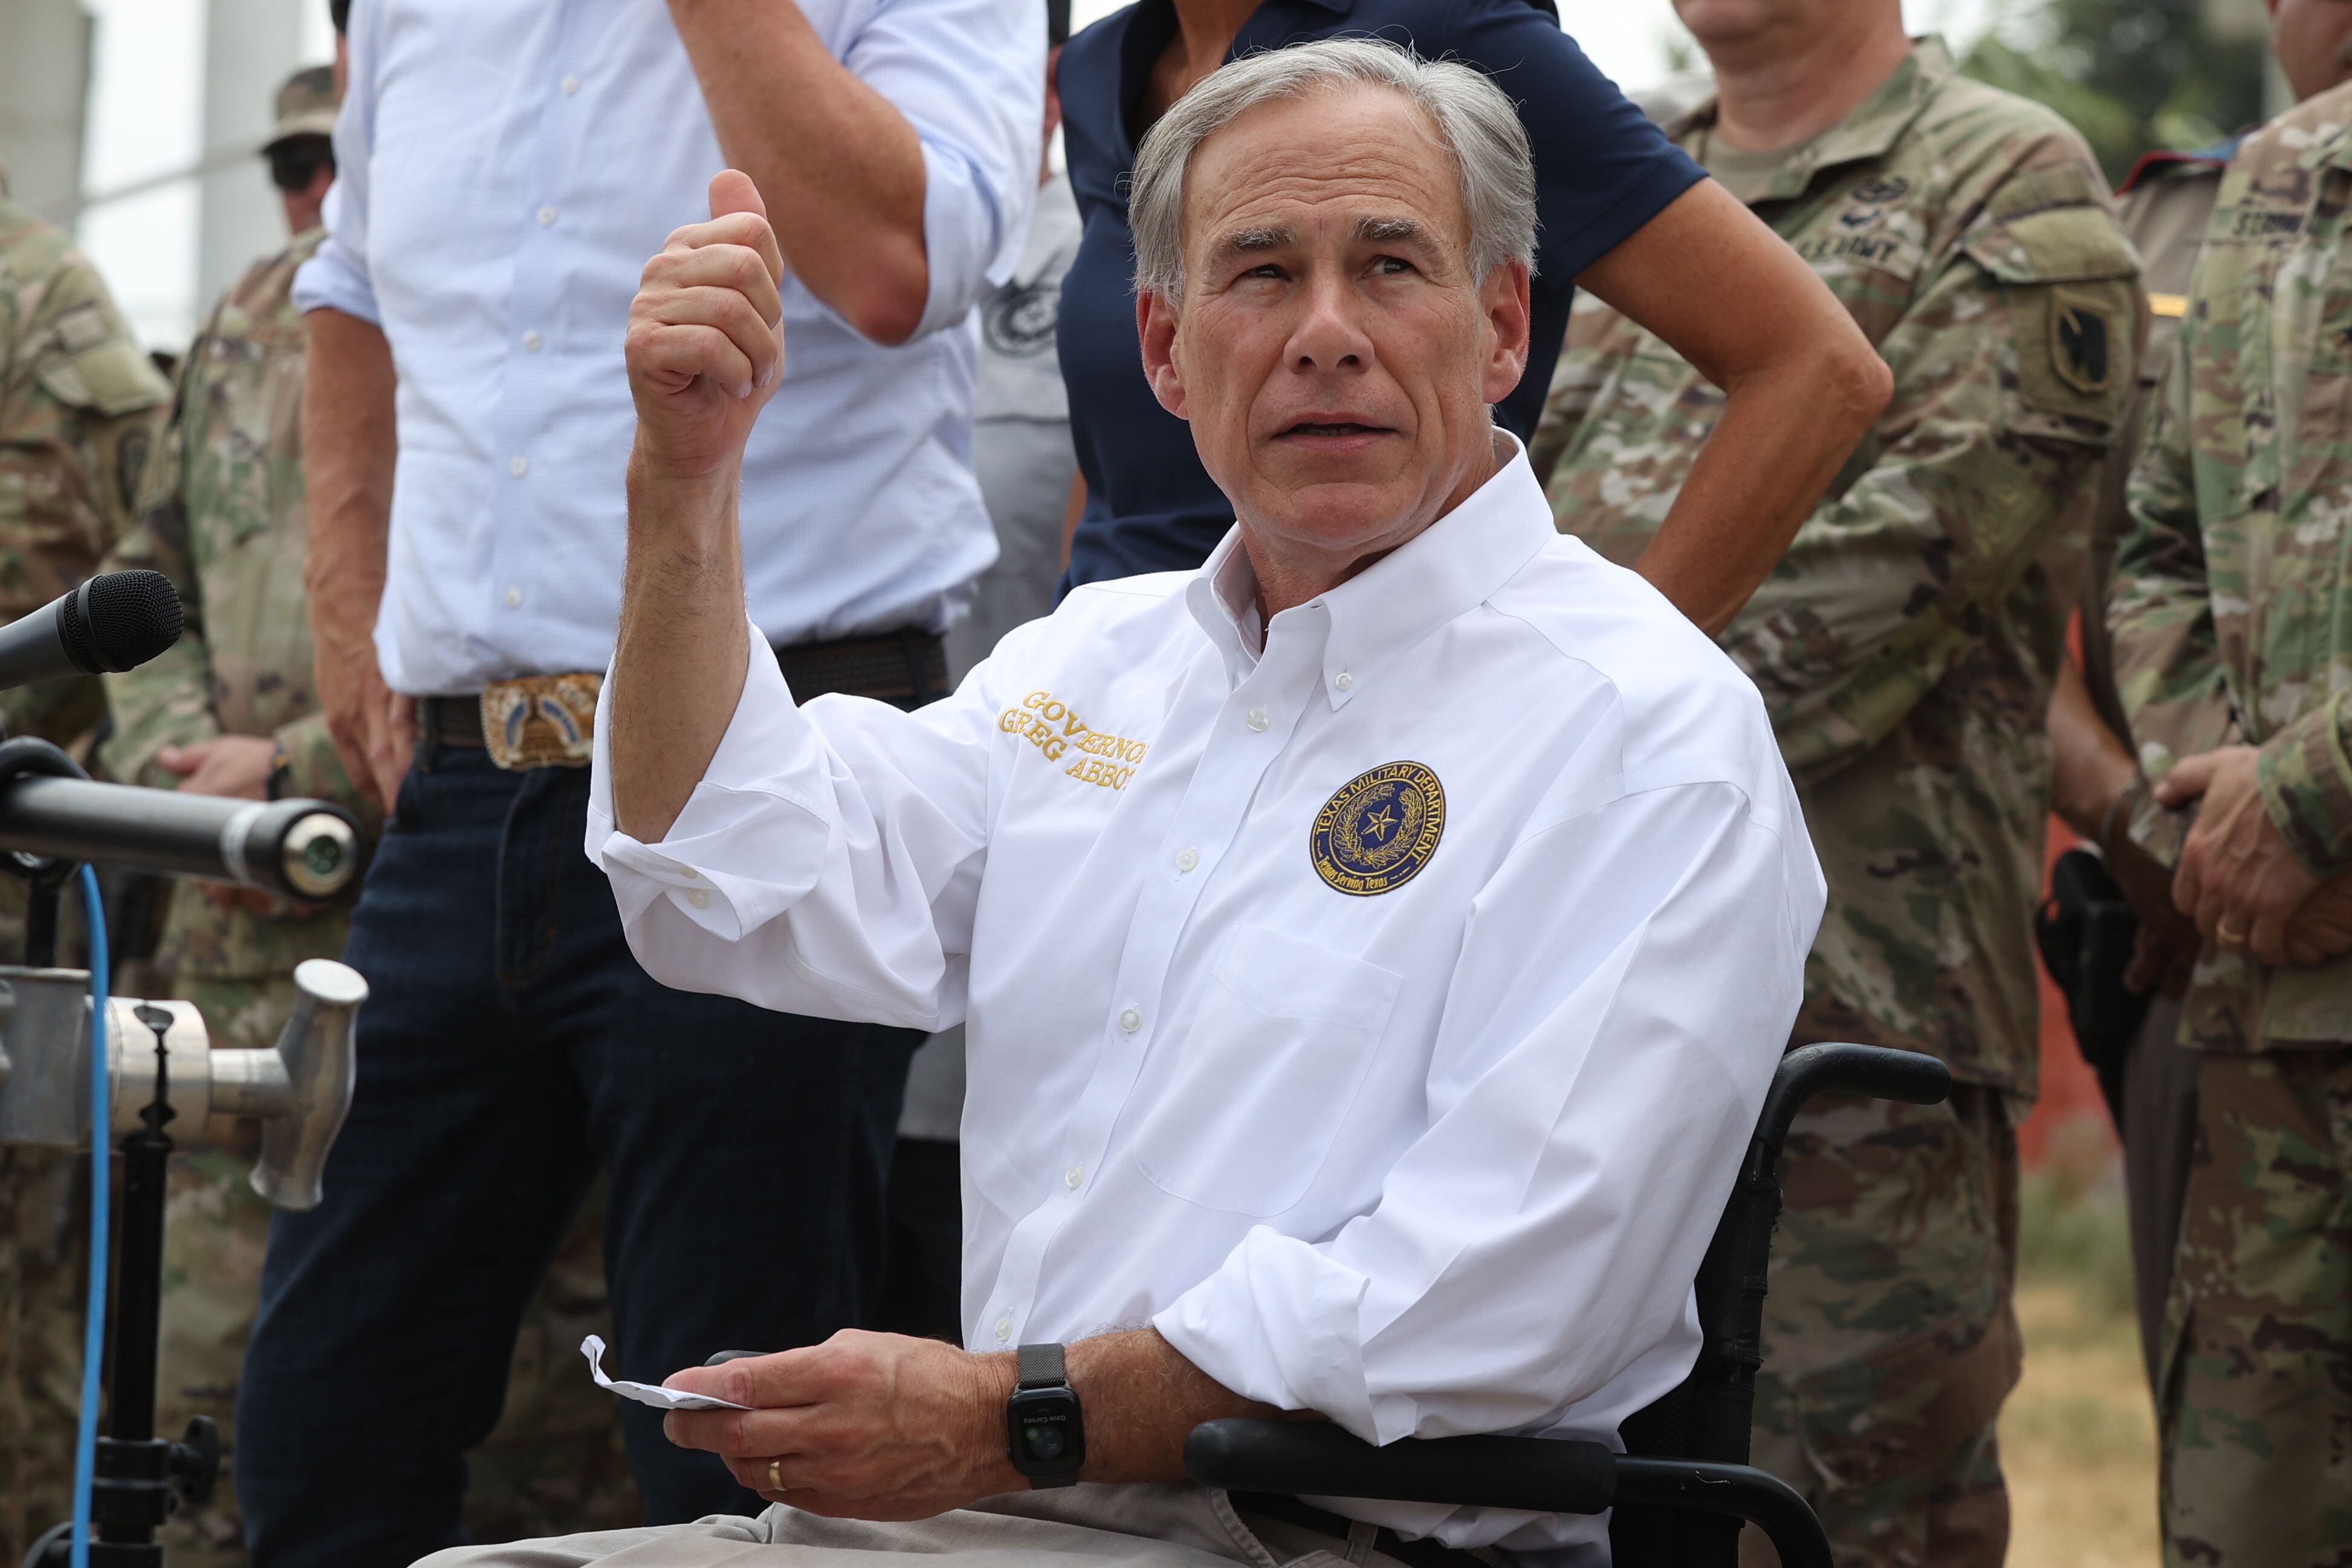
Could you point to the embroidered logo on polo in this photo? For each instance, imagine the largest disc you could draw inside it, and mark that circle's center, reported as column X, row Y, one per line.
column 1047, row 723
column 1379, row 830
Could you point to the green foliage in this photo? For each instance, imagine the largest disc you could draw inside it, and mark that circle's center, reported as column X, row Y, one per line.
column 2131, row 74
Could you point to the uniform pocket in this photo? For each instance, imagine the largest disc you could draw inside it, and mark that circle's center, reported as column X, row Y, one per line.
column 1283, row 1035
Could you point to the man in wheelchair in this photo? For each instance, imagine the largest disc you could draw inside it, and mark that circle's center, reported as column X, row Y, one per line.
column 1375, row 947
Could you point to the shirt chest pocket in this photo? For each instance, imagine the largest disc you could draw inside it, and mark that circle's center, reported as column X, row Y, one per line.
column 1242, row 1097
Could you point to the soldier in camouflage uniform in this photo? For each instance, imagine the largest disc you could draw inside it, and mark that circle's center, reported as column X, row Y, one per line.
column 2165, row 206
column 230, row 710
column 1906, row 649
column 2231, row 595
column 78, row 406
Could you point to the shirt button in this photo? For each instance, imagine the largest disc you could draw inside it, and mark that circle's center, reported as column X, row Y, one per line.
column 1343, row 680
column 688, row 872
column 518, row 466
column 1003, row 1329
column 1258, row 719
column 514, row 598
column 546, row 217
column 571, row 85
column 530, row 342
column 698, row 896
column 1130, row 1020
column 1072, row 1177
column 1187, row 858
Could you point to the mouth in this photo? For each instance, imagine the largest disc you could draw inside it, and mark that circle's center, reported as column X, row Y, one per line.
column 1339, row 432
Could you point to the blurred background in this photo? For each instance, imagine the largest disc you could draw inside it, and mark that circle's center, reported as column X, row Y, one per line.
column 137, row 125
column 136, row 121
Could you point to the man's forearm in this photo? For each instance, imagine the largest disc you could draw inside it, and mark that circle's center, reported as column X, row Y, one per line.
column 678, row 659
column 2090, row 767
column 1784, row 433
column 1142, row 1399
column 348, row 449
column 822, row 146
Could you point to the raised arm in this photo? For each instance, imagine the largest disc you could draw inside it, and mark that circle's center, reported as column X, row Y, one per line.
column 720, row 809
column 705, row 350
column 1801, row 385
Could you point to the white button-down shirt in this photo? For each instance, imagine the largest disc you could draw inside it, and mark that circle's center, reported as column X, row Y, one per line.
column 505, row 168
column 1432, row 1160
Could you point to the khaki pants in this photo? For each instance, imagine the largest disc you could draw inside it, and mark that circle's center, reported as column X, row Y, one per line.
column 1079, row 1527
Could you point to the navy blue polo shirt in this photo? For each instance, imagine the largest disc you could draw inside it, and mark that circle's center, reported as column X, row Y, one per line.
column 1601, row 172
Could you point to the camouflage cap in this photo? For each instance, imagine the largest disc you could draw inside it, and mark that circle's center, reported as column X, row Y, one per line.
column 306, row 106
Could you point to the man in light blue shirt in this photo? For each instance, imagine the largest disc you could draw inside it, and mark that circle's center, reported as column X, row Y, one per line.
column 506, row 168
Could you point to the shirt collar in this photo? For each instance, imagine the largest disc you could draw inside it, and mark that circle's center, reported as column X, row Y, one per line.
column 1870, row 131
column 1445, row 570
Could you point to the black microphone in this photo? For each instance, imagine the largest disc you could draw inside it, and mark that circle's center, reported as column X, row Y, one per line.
column 301, row 849
column 116, row 620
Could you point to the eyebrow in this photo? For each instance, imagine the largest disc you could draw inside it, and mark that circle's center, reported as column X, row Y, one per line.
column 1389, row 230
column 1253, row 241
column 1276, row 236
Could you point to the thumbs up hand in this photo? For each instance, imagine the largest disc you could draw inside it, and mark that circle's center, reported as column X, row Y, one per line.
column 705, row 345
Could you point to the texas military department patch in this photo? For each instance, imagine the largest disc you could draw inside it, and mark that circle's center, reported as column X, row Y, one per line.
column 1379, row 830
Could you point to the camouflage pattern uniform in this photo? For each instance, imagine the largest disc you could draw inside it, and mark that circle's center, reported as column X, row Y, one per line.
column 2230, row 598
column 1905, row 648
column 78, row 406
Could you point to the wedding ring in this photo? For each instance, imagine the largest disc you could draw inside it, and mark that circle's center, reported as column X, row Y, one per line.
column 775, row 1475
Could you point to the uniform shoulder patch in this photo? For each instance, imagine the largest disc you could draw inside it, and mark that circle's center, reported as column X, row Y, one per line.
column 1378, row 831
column 2083, row 333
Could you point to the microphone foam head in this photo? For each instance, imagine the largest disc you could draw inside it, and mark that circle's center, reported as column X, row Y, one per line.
column 120, row 620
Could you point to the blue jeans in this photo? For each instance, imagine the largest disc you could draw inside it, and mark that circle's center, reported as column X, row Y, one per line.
column 509, row 1046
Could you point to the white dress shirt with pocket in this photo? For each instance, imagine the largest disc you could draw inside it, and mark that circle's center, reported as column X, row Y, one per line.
column 1434, row 1160
column 504, row 168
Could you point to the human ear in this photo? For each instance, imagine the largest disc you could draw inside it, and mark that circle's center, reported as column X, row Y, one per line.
column 1156, row 321
column 1503, row 300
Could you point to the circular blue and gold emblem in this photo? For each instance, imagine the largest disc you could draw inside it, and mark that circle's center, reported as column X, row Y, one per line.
column 1379, row 830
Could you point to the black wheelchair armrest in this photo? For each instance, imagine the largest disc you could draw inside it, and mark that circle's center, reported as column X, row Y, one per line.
column 1536, row 1475
column 1317, row 1459
column 1833, row 1068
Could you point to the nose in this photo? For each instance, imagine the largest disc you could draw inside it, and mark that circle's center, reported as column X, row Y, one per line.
column 1328, row 336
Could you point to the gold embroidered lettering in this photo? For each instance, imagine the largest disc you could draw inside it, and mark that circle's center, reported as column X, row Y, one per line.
column 1052, row 727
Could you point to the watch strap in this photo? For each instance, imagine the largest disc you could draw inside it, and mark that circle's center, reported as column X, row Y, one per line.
column 1040, row 1366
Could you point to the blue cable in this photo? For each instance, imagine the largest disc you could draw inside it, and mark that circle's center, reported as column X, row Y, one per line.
column 101, row 1122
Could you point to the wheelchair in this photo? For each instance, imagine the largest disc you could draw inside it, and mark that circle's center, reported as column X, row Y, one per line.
column 1683, row 1489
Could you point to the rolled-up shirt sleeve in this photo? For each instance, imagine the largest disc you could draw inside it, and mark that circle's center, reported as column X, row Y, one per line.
column 336, row 276
column 1587, row 1114
column 852, row 838
column 970, row 75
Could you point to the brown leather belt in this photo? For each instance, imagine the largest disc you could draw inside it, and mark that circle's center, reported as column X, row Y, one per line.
column 906, row 669
column 1422, row 1552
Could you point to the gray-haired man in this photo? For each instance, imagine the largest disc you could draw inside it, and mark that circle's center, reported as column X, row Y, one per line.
column 1373, row 947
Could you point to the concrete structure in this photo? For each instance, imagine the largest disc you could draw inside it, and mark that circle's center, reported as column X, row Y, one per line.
column 45, row 58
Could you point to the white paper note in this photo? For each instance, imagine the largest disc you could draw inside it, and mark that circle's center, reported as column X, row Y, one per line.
column 593, row 1347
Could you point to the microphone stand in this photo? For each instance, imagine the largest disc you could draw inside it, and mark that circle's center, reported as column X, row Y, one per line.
column 140, row 1478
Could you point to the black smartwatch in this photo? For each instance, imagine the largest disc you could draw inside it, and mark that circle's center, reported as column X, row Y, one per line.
column 1044, row 1432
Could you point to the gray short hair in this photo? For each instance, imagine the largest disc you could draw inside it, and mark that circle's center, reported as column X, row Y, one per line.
column 1475, row 120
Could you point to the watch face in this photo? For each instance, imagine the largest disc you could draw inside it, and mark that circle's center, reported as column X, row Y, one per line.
column 1045, row 1433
